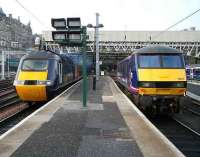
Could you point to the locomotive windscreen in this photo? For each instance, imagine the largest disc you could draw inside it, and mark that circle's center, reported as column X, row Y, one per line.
column 35, row 65
column 161, row 61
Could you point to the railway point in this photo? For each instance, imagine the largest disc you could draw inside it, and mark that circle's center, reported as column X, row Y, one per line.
column 110, row 125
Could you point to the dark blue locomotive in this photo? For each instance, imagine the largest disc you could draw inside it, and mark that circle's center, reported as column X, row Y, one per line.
column 41, row 74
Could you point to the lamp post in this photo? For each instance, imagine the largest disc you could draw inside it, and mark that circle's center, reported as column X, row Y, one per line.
column 96, row 36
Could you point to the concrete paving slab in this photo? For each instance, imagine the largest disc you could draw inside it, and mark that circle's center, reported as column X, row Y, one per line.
column 98, row 130
column 91, row 146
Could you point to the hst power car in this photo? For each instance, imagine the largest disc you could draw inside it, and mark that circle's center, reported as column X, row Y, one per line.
column 155, row 76
column 41, row 74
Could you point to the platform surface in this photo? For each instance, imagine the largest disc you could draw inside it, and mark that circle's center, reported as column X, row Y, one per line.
column 107, row 127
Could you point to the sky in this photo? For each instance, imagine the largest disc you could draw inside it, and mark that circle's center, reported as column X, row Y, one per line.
column 124, row 15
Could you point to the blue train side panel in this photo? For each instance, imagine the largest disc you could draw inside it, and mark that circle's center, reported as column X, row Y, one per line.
column 127, row 74
column 133, row 88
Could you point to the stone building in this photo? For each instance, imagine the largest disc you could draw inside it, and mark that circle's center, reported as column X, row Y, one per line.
column 13, row 33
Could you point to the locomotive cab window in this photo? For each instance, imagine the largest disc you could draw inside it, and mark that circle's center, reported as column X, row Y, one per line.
column 172, row 61
column 160, row 61
column 149, row 61
column 35, row 65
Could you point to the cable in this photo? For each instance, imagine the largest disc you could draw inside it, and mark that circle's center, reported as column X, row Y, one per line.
column 27, row 10
column 175, row 24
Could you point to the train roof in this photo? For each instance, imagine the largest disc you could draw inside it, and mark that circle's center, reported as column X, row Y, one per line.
column 48, row 55
column 193, row 66
column 157, row 49
column 151, row 50
column 41, row 55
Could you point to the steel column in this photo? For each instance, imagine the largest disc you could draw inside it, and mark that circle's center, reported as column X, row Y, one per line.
column 97, row 46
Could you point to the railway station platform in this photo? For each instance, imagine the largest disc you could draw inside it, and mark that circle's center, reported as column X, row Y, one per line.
column 110, row 126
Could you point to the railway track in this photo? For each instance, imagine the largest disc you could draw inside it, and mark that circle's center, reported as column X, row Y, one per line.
column 8, row 97
column 193, row 107
column 10, row 104
column 5, row 83
column 6, row 90
column 24, row 110
column 181, row 135
column 189, row 115
column 12, row 109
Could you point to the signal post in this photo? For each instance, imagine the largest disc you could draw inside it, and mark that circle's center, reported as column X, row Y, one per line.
column 70, row 33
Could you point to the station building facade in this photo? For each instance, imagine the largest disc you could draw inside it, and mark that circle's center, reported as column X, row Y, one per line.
column 13, row 33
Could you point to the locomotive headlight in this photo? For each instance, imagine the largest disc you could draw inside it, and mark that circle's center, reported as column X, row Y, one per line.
column 179, row 84
column 47, row 83
column 41, row 82
column 145, row 84
column 19, row 82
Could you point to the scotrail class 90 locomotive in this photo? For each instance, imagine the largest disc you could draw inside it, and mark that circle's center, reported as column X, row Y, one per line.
column 41, row 74
column 156, row 78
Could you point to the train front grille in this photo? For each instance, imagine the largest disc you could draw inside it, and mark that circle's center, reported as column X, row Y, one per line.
column 30, row 82
column 149, row 84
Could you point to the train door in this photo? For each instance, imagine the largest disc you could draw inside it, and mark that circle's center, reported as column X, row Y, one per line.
column 60, row 74
column 133, row 71
column 130, row 74
column 188, row 72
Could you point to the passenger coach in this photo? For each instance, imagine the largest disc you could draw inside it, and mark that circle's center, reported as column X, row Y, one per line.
column 155, row 76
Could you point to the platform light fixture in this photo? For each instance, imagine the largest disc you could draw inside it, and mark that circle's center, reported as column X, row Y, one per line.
column 70, row 33
column 74, row 31
column 59, row 35
column 59, row 23
column 75, row 38
column 91, row 26
column 74, row 22
column 96, row 36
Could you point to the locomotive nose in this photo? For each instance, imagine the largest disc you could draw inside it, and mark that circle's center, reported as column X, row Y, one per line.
column 31, row 86
column 162, row 75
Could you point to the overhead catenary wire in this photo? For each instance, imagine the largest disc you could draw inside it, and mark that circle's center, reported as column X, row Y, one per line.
column 29, row 12
column 183, row 19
